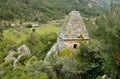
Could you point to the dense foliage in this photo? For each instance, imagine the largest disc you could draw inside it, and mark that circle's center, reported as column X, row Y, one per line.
column 101, row 56
column 44, row 10
column 109, row 35
column 40, row 44
column 106, row 31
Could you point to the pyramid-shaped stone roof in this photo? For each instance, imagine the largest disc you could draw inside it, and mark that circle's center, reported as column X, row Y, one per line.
column 74, row 27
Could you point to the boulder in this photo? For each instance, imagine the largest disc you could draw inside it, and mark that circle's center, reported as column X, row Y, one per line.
column 23, row 50
column 10, row 56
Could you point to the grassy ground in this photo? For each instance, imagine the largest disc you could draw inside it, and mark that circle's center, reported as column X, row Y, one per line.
column 47, row 28
column 19, row 34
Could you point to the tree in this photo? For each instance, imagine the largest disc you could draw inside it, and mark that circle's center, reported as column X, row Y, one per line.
column 40, row 67
column 90, row 60
column 65, row 67
column 20, row 73
column 108, row 34
column 40, row 44
column 29, row 26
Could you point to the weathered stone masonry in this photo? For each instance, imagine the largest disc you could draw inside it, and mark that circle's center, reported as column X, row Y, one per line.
column 70, row 33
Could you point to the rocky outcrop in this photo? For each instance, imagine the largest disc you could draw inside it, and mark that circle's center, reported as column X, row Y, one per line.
column 23, row 50
column 10, row 56
column 16, row 62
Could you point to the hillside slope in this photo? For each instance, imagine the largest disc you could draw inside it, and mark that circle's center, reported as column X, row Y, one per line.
column 42, row 10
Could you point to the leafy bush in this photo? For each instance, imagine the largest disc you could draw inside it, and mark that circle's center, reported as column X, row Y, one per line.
column 65, row 52
column 33, row 30
column 89, row 58
column 40, row 44
column 16, row 55
column 29, row 26
column 81, row 36
column 41, row 66
column 24, row 59
column 20, row 73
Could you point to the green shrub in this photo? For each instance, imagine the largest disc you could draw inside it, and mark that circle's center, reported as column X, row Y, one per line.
column 65, row 52
column 80, row 36
column 32, row 60
column 41, row 66
column 33, row 30
column 16, row 55
column 29, row 26
column 24, row 59
column 98, row 77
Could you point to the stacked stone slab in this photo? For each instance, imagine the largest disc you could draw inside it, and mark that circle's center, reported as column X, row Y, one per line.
column 70, row 32
column 72, row 29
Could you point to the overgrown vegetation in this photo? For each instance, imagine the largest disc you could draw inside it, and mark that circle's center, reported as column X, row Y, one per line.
column 20, row 34
column 44, row 10
column 101, row 56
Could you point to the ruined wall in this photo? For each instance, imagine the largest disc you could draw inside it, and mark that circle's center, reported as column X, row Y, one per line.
column 69, row 33
column 60, row 44
column 70, row 43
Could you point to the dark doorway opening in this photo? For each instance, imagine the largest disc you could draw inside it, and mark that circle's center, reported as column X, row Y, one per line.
column 75, row 46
